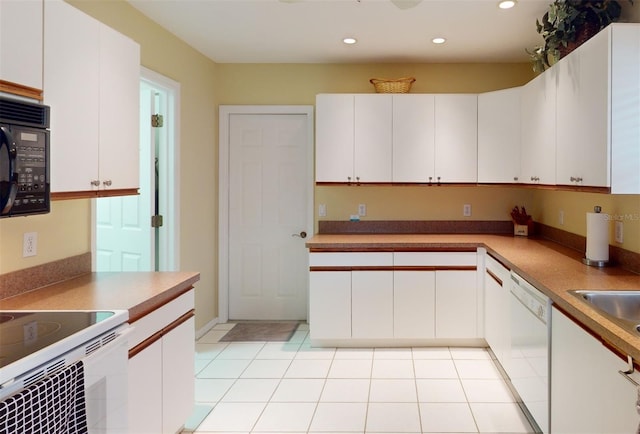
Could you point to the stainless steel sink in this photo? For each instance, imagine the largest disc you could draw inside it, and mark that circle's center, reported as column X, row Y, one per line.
column 622, row 307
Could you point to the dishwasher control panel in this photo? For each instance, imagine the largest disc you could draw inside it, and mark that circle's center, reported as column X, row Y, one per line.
column 530, row 297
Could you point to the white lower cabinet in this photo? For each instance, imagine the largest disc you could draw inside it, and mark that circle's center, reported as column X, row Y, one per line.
column 330, row 304
column 372, row 304
column 456, row 304
column 414, row 294
column 161, row 381
column 497, row 328
column 588, row 395
column 363, row 296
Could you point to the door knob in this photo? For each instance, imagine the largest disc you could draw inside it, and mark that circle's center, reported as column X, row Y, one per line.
column 302, row 234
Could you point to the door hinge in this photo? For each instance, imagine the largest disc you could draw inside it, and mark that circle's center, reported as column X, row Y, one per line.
column 157, row 121
column 156, row 221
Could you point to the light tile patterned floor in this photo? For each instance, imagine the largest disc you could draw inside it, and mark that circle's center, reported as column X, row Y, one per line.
column 274, row 387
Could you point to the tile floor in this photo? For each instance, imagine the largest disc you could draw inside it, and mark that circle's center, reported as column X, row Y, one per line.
column 276, row 387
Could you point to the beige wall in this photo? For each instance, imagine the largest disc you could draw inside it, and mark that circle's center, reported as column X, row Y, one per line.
column 66, row 230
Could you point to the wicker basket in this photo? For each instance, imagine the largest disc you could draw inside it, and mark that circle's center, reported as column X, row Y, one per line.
column 401, row 85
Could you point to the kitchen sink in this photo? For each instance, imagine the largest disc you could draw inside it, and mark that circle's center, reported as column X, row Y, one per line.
column 622, row 307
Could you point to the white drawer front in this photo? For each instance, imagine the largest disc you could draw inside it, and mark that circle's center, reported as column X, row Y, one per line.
column 373, row 259
column 497, row 268
column 435, row 259
column 161, row 317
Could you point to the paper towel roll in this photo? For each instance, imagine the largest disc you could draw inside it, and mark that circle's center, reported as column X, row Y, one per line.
column 597, row 237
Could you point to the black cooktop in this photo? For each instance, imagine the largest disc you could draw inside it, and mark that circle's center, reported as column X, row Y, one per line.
column 25, row 332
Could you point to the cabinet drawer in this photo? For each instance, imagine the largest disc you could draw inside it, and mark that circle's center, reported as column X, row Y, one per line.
column 160, row 318
column 373, row 259
column 497, row 268
column 435, row 259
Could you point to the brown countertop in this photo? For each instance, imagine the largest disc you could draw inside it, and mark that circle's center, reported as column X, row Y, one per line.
column 551, row 268
column 137, row 292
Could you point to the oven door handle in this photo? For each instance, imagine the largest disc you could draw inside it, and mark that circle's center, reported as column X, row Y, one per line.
column 8, row 179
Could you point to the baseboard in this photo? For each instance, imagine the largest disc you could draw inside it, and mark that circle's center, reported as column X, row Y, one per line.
column 208, row 326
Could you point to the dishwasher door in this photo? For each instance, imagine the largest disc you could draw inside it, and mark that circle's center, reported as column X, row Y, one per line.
column 530, row 343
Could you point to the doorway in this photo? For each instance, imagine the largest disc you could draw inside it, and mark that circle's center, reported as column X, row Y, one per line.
column 124, row 238
column 266, row 207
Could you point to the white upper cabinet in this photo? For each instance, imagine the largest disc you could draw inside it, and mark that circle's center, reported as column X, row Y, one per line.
column 372, row 138
column 334, row 137
column 21, row 43
column 91, row 80
column 456, row 138
column 413, row 138
column 72, row 89
column 396, row 138
column 625, row 109
column 538, row 128
column 582, row 101
column 499, row 136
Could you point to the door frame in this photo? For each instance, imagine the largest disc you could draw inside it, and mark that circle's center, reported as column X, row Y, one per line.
column 169, row 241
column 225, row 112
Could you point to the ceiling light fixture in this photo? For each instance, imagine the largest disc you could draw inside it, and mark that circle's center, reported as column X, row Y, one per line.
column 438, row 40
column 349, row 41
column 507, row 4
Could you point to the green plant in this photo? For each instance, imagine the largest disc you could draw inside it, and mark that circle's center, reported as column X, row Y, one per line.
column 567, row 24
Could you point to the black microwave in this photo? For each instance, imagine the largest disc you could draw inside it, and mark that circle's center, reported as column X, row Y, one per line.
column 24, row 158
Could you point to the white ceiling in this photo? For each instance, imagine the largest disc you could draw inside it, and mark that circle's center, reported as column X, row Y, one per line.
column 311, row 31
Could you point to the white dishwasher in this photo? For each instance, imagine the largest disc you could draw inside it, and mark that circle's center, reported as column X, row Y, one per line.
column 530, row 344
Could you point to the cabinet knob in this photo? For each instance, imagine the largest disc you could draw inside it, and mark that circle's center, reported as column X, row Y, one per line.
column 515, row 178
column 358, row 180
column 95, row 183
column 107, row 183
column 349, row 179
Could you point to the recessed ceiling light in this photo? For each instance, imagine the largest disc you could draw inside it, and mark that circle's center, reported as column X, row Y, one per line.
column 349, row 41
column 507, row 4
column 438, row 40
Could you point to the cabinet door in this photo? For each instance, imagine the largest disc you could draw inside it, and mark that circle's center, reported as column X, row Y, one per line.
column 414, row 304
column 330, row 304
column 456, row 304
column 119, row 110
column 413, row 138
column 145, row 390
column 538, row 127
column 334, row 137
column 582, row 101
column 456, row 139
column 21, row 42
column 499, row 136
column 625, row 110
column 71, row 88
column 372, row 304
column 587, row 393
column 178, row 353
column 372, row 142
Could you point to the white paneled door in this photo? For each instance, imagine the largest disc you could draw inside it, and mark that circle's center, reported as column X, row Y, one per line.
column 268, row 215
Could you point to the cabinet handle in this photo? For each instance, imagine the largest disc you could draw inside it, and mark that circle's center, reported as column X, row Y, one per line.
column 348, row 179
column 302, row 234
column 357, row 180
column 107, row 183
column 95, row 183
column 575, row 179
column 515, row 178
column 535, row 178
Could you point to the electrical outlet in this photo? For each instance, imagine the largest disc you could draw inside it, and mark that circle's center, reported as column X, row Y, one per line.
column 561, row 217
column 619, row 232
column 466, row 210
column 362, row 210
column 29, row 244
column 322, row 210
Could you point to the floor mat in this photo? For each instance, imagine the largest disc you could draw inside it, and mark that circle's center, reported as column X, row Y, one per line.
column 280, row 331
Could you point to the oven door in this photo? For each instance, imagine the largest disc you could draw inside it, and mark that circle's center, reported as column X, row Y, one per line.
column 105, row 376
column 8, row 175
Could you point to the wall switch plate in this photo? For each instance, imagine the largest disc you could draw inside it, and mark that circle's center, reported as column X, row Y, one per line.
column 322, row 210
column 466, row 210
column 29, row 244
column 619, row 232
column 561, row 217
column 362, row 210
